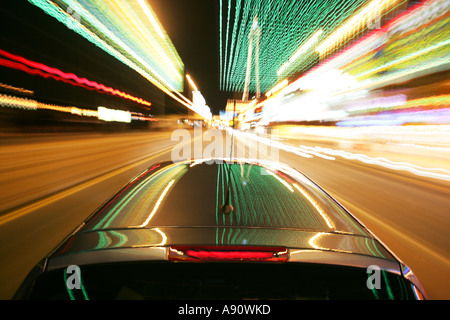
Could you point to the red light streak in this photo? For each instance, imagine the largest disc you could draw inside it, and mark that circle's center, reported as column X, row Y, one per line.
column 229, row 253
column 35, row 68
column 18, row 66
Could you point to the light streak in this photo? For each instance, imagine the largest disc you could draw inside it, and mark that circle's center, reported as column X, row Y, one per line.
column 191, row 82
column 163, row 236
column 15, row 102
column 278, row 87
column 122, row 30
column 151, row 17
column 158, row 203
column 436, row 173
column 314, row 203
column 314, row 238
column 414, row 44
column 281, row 181
column 301, row 50
column 358, row 23
column 331, row 154
column 36, row 68
column 406, row 58
column 15, row 89
column 285, row 25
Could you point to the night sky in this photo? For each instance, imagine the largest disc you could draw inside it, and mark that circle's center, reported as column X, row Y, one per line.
column 192, row 26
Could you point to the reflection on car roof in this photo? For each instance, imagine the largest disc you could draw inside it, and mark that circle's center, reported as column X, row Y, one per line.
column 179, row 204
column 191, row 194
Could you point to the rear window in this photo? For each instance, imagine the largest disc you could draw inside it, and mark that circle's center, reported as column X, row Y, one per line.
column 230, row 281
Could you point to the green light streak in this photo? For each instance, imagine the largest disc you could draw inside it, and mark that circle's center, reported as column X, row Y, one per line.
column 220, row 42
column 103, row 241
column 224, row 177
column 122, row 238
column 388, row 287
column 250, row 189
column 236, row 19
column 226, row 34
column 69, row 292
column 108, row 26
column 217, row 195
column 406, row 58
column 285, row 25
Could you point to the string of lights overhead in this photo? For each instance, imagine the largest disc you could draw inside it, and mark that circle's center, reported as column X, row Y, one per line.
column 294, row 35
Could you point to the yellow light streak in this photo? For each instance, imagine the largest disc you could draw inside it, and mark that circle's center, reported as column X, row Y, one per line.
column 277, row 87
column 314, row 238
column 163, row 235
column 151, row 17
column 355, row 24
column 158, row 203
column 138, row 32
column 191, row 82
column 314, row 203
column 301, row 50
column 15, row 89
column 282, row 181
column 306, row 46
column 315, row 246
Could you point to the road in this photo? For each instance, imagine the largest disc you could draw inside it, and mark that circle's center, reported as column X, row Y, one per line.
column 50, row 184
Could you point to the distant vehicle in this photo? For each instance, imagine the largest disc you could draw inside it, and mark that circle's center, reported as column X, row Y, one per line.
column 223, row 230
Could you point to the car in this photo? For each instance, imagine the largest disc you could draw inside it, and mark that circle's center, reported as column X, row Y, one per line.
column 221, row 229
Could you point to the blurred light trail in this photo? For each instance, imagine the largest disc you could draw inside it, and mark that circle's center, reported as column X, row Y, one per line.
column 406, row 58
column 128, row 33
column 110, row 115
column 436, row 173
column 151, row 17
column 124, row 27
column 315, row 204
column 354, row 87
column 35, row 68
column 191, row 82
column 331, row 154
column 357, row 24
column 426, row 15
column 444, row 149
column 277, row 88
column 158, row 203
column 29, row 104
column 301, row 50
column 282, row 181
column 399, row 118
column 288, row 29
column 7, row 87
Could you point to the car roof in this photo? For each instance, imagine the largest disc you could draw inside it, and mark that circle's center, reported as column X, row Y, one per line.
column 180, row 204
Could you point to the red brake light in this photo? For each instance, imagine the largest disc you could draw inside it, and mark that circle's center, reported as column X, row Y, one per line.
column 227, row 253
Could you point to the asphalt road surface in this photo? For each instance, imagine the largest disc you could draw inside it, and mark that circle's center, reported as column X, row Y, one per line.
column 50, row 184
